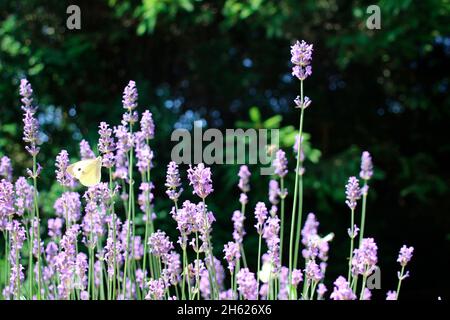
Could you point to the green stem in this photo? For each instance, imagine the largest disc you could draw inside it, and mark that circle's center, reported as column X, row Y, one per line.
column 400, row 279
column 351, row 246
column 244, row 259
column 363, row 214
column 259, row 263
column 296, row 188
column 38, row 231
column 130, row 205
column 282, row 220
column 299, row 221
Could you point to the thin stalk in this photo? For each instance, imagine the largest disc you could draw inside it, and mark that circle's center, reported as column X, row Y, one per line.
column 400, row 279
column 183, row 293
column 363, row 213
column 351, row 246
column 259, row 263
column 130, row 205
column 361, row 296
column 282, row 220
column 299, row 221
column 296, row 188
column 244, row 259
column 36, row 206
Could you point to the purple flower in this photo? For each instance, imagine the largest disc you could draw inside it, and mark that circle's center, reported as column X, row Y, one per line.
column 247, row 285
column 84, row 295
column 297, row 277
column 144, row 154
column 342, row 290
column 6, row 169
column 352, row 192
column 188, row 220
column 30, row 133
column 68, row 206
column 280, row 163
column 243, row 199
column 195, row 269
column 302, row 104
column 365, row 258
column 24, row 196
column 205, row 288
column 147, row 125
column 81, row 266
column 274, row 192
column 62, row 162
column 26, row 92
column 321, row 290
column 172, row 268
column 130, row 96
column 301, row 72
column 6, row 203
column 313, row 271
column 271, row 235
column 366, row 166
column 309, row 229
column 367, row 294
column 86, row 151
column 31, row 124
column 200, row 178
column 112, row 253
column 260, row 216
column 54, row 227
column 232, row 254
column 238, row 226
column 391, row 295
column 159, row 243
column 106, row 145
column 405, row 255
column 124, row 138
column 301, row 53
column 244, row 177
column 353, row 233
column 16, row 238
column 92, row 224
column 145, row 197
column 173, row 181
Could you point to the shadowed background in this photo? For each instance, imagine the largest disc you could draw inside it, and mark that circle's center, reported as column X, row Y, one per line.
column 227, row 63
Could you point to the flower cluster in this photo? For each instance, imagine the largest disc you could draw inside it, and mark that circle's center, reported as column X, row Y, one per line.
column 101, row 246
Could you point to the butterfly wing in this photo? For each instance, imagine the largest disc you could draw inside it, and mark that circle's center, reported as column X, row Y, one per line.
column 88, row 172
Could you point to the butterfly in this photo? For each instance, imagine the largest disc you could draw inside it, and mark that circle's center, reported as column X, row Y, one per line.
column 88, row 172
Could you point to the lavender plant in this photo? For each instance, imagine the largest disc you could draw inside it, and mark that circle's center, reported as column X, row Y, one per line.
column 92, row 252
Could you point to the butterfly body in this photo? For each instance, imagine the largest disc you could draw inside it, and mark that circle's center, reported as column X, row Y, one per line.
column 88, row 172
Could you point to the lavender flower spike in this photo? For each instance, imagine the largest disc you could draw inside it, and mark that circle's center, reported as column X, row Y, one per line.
column 260, row 216
column 130, row 96
column 232, row 254
column 6, row 168
column 353, row 192
column 86, row 151
column 200, row 178
column 405, row 255
column 280, row 163
column 62, row 162
column 173, row 181
column 244, row 176
column 247, row 284
column 301, row 56
column 366, row 166
column 147, row 125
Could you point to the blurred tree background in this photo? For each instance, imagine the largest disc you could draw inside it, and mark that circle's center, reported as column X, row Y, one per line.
column 385, row 91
